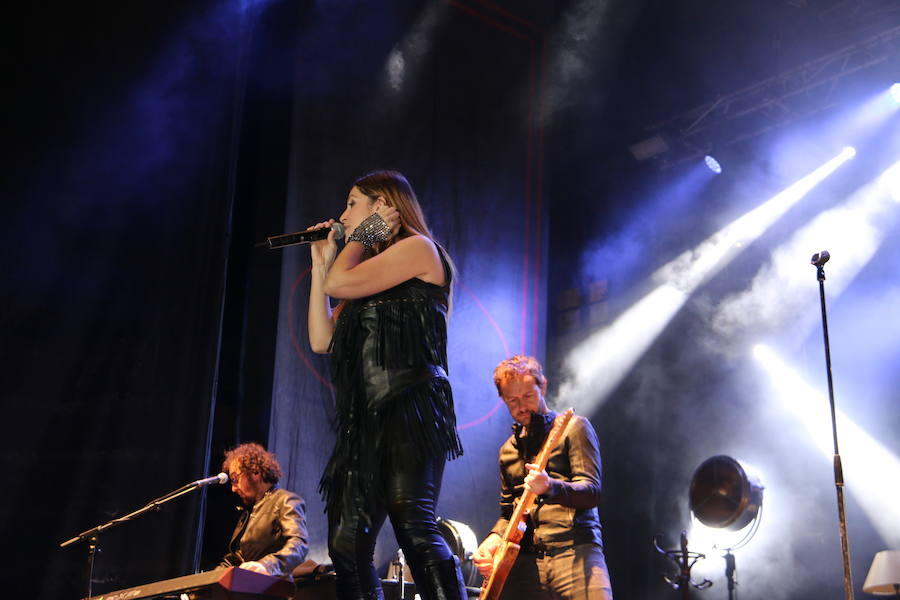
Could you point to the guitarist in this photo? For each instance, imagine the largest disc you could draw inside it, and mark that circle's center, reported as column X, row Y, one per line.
column 561, row 552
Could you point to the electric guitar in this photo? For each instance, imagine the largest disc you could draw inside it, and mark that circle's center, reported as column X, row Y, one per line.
column 508, row 550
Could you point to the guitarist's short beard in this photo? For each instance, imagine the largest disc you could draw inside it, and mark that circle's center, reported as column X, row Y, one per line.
column 530, row 445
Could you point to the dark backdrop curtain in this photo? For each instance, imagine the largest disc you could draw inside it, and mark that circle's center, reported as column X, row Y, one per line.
column 116, row 231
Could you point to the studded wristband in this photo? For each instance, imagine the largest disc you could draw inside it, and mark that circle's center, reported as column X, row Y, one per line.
column 371, row 231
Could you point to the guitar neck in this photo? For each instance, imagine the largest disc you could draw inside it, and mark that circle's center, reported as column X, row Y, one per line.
column 526, row 501
column 513, row 530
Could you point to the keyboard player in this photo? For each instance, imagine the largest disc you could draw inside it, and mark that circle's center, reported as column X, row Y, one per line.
column 270, row 536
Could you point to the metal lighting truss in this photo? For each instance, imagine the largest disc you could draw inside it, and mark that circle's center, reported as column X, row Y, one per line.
column 770, row 104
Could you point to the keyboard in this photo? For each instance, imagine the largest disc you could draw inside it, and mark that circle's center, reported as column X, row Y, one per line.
column 222, row 584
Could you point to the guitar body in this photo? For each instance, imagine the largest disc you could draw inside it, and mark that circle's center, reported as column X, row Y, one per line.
column 504, row 559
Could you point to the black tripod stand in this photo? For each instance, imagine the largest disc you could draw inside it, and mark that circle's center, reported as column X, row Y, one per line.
column 685, row 560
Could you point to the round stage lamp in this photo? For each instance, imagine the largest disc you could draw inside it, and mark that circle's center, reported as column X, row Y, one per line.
column 723, row 496
column 712, row 164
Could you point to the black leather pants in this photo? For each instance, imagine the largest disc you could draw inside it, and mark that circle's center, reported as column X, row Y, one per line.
column 408, row 497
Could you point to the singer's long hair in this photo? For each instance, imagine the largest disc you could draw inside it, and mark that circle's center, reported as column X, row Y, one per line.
column 398, row 193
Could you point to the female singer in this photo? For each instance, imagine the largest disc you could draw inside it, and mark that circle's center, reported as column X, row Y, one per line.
column 395, row 422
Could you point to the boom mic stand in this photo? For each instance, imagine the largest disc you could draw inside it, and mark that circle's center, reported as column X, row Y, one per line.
column 91, row 536
column 818, row 260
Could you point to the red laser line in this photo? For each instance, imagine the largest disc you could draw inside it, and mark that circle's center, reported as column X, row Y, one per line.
column 294, row 341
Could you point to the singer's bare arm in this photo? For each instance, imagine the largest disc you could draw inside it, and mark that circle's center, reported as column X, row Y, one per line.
column 319, row 323
column 415, row 256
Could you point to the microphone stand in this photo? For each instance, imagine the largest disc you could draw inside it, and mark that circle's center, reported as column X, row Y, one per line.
column 91, row 535
column 818, row 260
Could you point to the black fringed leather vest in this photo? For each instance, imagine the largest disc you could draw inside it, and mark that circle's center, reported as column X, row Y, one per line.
column 393, row 398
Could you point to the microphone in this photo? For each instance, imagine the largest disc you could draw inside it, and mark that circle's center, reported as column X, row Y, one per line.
column 220, row 478
column 303, row 237
column 820, row 258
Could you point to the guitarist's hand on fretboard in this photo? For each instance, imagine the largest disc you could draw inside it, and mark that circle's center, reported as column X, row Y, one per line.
column 537, row 481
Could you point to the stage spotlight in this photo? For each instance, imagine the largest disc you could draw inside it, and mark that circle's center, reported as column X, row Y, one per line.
column 723, row 495
column 848, row 152
column 712, row 164
column 895, row 92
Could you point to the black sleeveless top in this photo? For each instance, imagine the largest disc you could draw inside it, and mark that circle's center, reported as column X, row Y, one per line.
column 393, row 400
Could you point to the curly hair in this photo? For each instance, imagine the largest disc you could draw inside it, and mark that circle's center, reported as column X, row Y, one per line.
column 254, row 458
column 519, row 365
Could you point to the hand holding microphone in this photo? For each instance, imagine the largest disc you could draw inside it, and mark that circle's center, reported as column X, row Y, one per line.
column 323, row 247
column 322, row 238
column 316, row 233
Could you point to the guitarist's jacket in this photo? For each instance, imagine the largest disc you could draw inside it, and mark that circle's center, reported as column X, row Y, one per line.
column 566, row 515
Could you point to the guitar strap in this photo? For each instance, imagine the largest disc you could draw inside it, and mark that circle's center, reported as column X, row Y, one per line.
column 529, row 445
